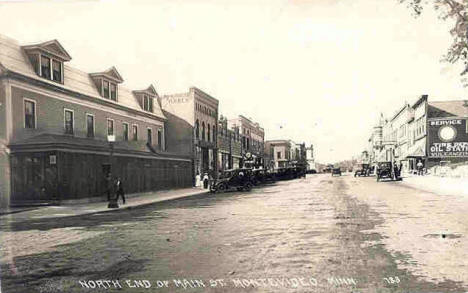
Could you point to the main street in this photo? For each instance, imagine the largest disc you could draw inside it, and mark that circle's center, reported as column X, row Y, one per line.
column 319, row 234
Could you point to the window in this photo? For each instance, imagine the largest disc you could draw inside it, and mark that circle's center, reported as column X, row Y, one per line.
column 45, row 67
column 110, row 127
column 197, row 130
column 160, row 142
column 203, row 131
column 209, row 131
column 56, row 71
column 135, row 132
column 125, row 131
column 105, row 89
column 278, row 155
column 113, row 92
column 29, row 114
column 150, row 136
column 90, row 125
column 213, row 132
column 148, row 103
column 68, row 121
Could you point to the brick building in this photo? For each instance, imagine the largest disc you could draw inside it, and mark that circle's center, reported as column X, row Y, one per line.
column 192, row 127
column 55, row 122
column 229, row 146
column 252, row 139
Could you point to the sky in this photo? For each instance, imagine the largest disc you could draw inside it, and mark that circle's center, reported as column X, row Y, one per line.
column 313, row 71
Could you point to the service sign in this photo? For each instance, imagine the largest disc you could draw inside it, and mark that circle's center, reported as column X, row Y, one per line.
column 447, row 138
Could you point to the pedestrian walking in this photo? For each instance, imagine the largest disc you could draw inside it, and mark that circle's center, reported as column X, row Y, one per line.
column 206, row 180
column 198, row 180
column 120, row 190
column 420, row 167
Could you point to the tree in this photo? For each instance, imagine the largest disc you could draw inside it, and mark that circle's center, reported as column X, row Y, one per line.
column 455, row 10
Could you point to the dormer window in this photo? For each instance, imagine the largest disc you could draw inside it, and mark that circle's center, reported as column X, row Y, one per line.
column 47, row 59
column 147, row 103
column 146, row 98
column 109, row 90
column 106, row 83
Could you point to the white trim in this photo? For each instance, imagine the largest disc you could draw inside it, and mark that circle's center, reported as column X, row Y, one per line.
column 24, row 113
column 107, row 126
column 86, row 124
column 128, row 131
column 73, row 120
column 88, row 104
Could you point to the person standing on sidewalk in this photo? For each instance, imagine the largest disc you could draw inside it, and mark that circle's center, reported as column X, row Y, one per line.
column 120, row 190
column 206, row 180
column 420, row 166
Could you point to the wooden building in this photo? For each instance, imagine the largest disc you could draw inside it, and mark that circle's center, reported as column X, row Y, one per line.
column 58, row 126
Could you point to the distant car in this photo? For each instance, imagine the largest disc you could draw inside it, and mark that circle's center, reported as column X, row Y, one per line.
column 336, row 171
column 241, row 179
column 387, row 170
column 364, row 170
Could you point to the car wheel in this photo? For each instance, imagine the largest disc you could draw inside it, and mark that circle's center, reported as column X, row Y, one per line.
column 248, row 186
column 222, row 187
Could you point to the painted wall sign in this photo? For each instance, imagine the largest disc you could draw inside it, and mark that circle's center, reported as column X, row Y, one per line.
column 447, row 137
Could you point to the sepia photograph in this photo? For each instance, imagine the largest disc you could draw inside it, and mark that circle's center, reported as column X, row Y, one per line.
column 309, row 146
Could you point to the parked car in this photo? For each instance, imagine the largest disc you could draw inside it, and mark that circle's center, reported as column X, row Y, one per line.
column 261, row 176
column 364, row 170
column 336, row 171
column 241, row 179
column 387, row 170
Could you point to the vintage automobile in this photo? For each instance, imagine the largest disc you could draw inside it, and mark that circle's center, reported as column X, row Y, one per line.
column 336, row 171
column 241, row 179
column 387, row 170
column 364, row 170
column 261, row 176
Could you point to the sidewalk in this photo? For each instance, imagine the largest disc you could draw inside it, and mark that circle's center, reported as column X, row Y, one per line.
column 438, row 185
column 132, row 201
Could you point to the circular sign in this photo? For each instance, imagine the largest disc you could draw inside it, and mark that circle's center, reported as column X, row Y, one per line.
column 447, row 133
column 248, row 155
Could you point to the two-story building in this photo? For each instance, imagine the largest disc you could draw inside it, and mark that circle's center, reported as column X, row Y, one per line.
column 229, row 146
column 192, row 127
column 279, row 151
column 62, row 130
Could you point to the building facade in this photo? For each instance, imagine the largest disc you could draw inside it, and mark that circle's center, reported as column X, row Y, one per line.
column 229, row 146
column 62, row 130
column 279, row 152
column 196, row 114
column 310, row 158
column 419, row 132
column 252, row 140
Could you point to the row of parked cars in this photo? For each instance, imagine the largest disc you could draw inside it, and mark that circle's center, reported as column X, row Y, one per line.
column 245, row 178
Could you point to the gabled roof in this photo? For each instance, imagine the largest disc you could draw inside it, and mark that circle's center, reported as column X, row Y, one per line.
column 53, row 47
column 110, row 73
column 457, row 108
column 14, row 59
column 150, row 90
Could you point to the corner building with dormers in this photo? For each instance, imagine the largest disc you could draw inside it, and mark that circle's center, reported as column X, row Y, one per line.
column 57, row 125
